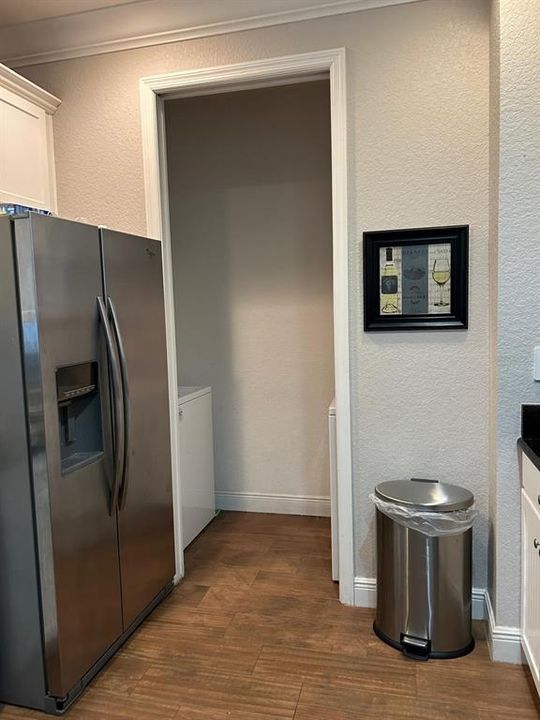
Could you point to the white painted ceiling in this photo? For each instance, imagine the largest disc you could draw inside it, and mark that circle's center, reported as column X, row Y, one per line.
column 13, row 12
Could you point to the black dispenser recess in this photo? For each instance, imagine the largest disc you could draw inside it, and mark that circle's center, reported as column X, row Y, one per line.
column 79, row 415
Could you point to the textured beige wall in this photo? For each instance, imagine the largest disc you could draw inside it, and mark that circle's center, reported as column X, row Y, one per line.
column 417, row 82
column 251, row 224
column 516, row 212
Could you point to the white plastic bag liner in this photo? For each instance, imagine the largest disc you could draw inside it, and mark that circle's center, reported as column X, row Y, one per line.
column 434, row 524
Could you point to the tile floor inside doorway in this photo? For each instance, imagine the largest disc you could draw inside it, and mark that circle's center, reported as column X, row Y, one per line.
column 256, row 632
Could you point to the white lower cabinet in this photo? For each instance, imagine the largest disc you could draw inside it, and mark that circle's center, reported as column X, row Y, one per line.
column 530, row 584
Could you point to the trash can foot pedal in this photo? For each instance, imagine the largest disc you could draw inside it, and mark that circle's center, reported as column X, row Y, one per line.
column 415, row 648
column 436, row 655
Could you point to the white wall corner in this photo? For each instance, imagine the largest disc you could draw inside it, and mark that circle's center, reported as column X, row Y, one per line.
column 365, row 595
column 504, row 642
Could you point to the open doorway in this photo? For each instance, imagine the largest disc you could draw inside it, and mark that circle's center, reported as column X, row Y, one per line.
column 247, row 76
column 250, row 199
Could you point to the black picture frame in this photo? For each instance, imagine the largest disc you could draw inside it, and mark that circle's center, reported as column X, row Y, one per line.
column 457, row 236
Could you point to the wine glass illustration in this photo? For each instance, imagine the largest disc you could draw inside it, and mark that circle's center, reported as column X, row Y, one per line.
column 441, row 275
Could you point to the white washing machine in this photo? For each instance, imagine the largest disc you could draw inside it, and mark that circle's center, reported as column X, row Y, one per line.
column 196, row 458
column 333, row 489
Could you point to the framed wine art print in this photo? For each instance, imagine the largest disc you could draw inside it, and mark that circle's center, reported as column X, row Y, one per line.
column 416, row 279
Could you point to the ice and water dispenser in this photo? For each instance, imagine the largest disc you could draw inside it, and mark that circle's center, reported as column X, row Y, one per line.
column 79, row 412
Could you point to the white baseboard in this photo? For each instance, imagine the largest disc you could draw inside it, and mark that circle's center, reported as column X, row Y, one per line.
column 365, row 592
column 274, row 503
column 479, row 604
column 365, row 595
column 504, row 641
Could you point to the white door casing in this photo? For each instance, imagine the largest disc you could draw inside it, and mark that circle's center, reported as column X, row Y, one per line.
column 260, row 73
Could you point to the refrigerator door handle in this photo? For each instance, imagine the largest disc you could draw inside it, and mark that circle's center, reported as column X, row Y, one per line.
column 125, row 387
column 118, row 406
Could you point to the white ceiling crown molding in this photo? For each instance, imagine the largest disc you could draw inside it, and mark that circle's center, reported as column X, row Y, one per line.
column 156, row 22
column 26, row 89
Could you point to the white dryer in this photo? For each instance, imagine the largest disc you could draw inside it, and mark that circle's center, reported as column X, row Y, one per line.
column 333, row 489
column 196, row 458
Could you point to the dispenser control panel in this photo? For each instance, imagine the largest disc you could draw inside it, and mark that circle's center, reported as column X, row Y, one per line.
column 76, row 380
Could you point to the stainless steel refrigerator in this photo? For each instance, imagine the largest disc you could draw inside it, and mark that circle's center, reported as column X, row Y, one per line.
column 86, row 521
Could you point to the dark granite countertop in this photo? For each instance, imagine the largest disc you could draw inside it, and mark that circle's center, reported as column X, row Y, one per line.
column 531, row 448
column 529, row 441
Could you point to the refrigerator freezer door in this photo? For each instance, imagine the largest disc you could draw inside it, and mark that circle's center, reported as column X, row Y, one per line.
column 22, row 671
column 59, row 277
column 134, row 287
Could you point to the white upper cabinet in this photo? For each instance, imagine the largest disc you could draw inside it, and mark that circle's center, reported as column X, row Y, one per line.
column 26, row 142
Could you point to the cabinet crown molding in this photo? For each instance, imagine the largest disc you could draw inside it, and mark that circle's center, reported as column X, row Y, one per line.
column 22, row 87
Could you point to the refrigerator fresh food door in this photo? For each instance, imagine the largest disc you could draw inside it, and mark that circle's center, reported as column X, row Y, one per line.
column 134, row 289
column 59, row 278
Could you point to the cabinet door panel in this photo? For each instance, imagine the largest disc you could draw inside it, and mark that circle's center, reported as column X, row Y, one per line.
column 530, row 586
column 25, row 176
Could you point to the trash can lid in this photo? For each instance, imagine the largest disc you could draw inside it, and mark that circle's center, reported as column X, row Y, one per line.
column 429, row 495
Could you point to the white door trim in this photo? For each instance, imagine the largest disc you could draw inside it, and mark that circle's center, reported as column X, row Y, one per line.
column 271, row 71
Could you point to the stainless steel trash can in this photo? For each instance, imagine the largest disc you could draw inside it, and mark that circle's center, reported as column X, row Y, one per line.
column 423, row 580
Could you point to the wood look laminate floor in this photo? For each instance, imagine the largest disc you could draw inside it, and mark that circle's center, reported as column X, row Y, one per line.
column 256, row 632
